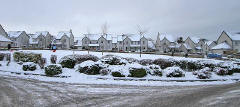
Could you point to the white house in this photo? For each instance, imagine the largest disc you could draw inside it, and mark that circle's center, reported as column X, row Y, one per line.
column 227, row 41
column 64, row 40
column 78, row 43
column 4, row 39
column 20, row 39
column 165, row 43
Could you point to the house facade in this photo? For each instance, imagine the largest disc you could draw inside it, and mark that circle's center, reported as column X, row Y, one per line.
column 165, row 43
column 4, row 39
column 20, row 39
column 227, row 41
column 64, row 40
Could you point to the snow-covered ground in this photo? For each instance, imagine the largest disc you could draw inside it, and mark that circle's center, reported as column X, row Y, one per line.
column 77, row 77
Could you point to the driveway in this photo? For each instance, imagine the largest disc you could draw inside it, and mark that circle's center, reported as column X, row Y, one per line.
column 20, row 92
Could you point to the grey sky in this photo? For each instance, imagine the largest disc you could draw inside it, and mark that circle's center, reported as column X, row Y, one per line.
column 202, row 18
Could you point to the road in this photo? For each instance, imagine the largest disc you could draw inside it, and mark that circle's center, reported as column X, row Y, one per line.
column 17, row 92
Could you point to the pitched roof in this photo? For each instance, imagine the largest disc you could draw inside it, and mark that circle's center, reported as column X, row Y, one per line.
column 151, row 45
column 223, row 45
column 4, row 39
column 93, row 36
column 14, row 33
column 233, row 35
column 114, row 39
column 168, row 37
column 78, row 41
column 62, row 33
column 44, row 33
column 195, row 39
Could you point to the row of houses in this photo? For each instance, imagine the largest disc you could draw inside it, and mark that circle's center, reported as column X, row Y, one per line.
column 227, row 42
column 124, row 42
column 38, row 40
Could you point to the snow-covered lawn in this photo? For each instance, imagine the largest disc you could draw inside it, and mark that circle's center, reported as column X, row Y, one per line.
column 77, row 77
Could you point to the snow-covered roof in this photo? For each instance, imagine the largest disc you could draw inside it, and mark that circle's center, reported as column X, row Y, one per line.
column 195, row 39
column 62, row 33
column 93, row 36
column 134, row 45
column 93, row 45
column 44, row 33
column 114, row 39
column 187, row 46
column 4, row 39
column 168, row 37
column 14, row 34
column 223, row 45
column 234, row 35
column 134, row 37
column 108, row 36
column 209, row 42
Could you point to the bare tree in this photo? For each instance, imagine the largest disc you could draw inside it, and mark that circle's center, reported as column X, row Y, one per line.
column 141, row 32
column 88, row 32
column 104, row 31
column 105, row 28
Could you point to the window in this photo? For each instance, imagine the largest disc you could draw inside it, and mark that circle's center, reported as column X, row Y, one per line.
column 127, row 42
column 108, row 42
column 143, row 42
column 101, row 41
column 86, row 42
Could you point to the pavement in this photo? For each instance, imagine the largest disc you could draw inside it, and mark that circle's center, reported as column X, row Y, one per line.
column 19, row 92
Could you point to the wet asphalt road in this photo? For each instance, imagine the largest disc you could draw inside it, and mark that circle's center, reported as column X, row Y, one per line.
column 17, row 92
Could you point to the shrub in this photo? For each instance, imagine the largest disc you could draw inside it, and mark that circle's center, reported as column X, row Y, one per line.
column 234, row 70
column 223, row 71
column 154, row 70
column 26, row 57
column 117, row 74
column 182, row 64
column 1, row 56
column 192, row 66
column 71, row 60
column 67, row 62
column 203, row 73
column 81, row 58
column 131, row 60
column 146, row 62
column 163, row 63
column 52, row 70
column 104, row 71
column 137, row 72
column 113, row 60
column 29, row 66
column 174, row 72
column 90, row 67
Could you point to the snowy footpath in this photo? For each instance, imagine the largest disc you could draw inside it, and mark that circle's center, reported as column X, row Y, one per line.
column 71, row 76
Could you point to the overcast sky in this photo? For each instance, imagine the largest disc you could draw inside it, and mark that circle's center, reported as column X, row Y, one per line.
column 201, row 18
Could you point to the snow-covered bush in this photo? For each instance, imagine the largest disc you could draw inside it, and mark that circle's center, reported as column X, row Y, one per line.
column 71, row 60
column 90, row 67
column 113, row 60
column 174, row 72
column 163, row 63
column 204, row 73
column 104, row 71
column 52, row 70
column 27, row 57
column 223, row 71
column 234, row 70
column 53, row 59
column 81, row 58
column 137, row 72
column 1, row 56
column 131, row 60
column 146, row 62
column 117, row 74
column 29, row 66
column 192, row 66
column 154, row 70
column 68, row 61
